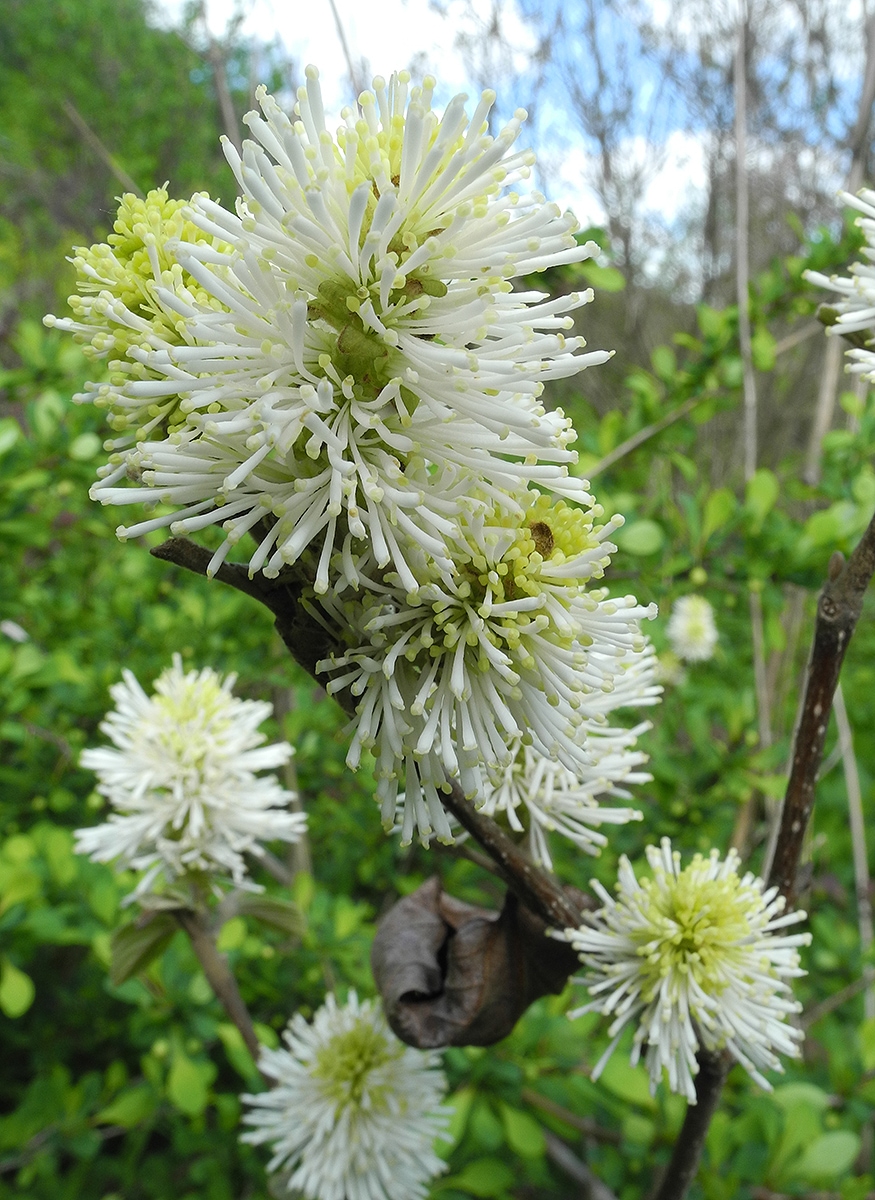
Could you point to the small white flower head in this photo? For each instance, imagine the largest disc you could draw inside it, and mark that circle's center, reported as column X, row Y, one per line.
column 856, row 308
column 454, row 672
column 538, row 796
column 354, row 1114
column 691, row 629
column 299, row 366
column 696, row 959
column 183, row 781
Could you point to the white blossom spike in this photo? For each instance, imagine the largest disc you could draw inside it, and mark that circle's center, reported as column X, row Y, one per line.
column 183, row 781
column 354, row 1114
column 694, row 959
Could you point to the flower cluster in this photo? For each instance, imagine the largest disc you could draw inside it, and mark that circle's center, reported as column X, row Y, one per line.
column 183, row 781
column 354, row 1114
column 696, row 958
column 513, row 647
column 854, row 313
column 691, row 629
column 344, row 369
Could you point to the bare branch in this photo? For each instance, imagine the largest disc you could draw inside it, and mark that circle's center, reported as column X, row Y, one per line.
column 538, row 891
column 220, row 977
column 742, row 235
column 94, row 143
column 838, row 610
column 217, row 59
column 818, row 1011
column 643, row 435
column 681, row 1171
column 344, row 45
column 858, row 845
column 585, row 1125
column 566, row 1160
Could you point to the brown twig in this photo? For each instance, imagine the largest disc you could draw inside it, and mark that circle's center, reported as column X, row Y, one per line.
column 537, row 890
column 818, row 1011
column 344, row 45
column 220, row 977
column 16, row 1161
column 643, row 435
column 274, row 867
column 584, row 1125
column 566, row 1160
column 462, row 850
column 838, row 610
column 681, row 1171
column 93, row 141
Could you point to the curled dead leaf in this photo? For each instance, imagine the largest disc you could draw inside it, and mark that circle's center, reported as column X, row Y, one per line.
column 451, row 974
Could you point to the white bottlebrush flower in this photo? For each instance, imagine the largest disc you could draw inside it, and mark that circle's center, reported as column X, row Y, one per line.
column 537, row 795
column 696, row 959
column 122, row 312
column 691, row 629
column 856, row 308
column 354, row 1113
column 514, row 646
column 183, row 782
column 352, row 325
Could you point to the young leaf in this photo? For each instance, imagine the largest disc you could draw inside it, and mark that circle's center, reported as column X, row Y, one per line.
column 134, row 947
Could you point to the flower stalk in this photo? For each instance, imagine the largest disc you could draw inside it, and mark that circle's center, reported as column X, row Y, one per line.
column 220, row 977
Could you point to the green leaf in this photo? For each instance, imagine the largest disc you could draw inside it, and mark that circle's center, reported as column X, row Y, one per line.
column 10, row 432
column 664, row 363
column 483, row 1177
column 719, row 507
column 863, row 487
column 280, row 914
column 761, row 493
column 85, row 447
column 235, row 1048
column 640, row 537
column 762, row 346
column 629, row 1083
column 16, row 990
column 231, row 935
column 459, row 1106
column 484, row 1127
column 637, row 1129
column 719, row 1139
column 266, row 1034
column 135, row 947
column 832, row 524
column 188, row 1083
column 524, row 1135
column 303, row 889
column 103, row 898
column 785, row 1096
column 604, row 279
column 867, row 1043
column 827, row 1158
column 712, row 321
column 129, row 1109
column 853, row 404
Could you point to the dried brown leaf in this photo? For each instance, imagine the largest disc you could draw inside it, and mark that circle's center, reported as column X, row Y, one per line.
column 451, row 974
